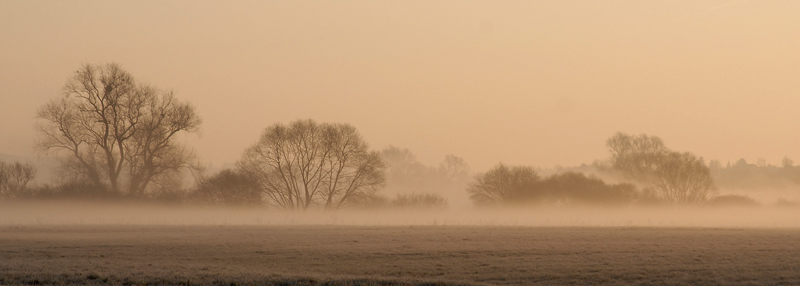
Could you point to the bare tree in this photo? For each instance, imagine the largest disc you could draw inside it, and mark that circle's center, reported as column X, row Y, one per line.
column 679, row 177
column 684, row 178
column 637, row 156
column 403, row 169
column 501, row 183
column 786, row 162
column 111, row 130
column 454, row 169
column 14, row 178
column 308, row 164
column 152, row 151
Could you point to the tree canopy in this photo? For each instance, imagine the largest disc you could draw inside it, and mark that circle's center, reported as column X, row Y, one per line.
column 679, row 177
column 309, row 164
column 114, row 132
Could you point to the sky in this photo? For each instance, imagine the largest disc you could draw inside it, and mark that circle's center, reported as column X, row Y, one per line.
column 539, row 83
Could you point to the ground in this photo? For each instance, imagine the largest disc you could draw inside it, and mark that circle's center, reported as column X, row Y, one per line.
column 399, row 255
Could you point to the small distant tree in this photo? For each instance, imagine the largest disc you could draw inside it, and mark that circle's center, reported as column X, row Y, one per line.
column 741, row 163
column 637, row 156
column 229, row 187
column 501, row 183
column 454, row 169
column 14, row 178
column 787, row 162
column 405, row 175
column 714, row 165
column 309, row 164
column 402, row 167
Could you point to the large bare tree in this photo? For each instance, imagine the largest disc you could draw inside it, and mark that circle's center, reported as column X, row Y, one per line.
column 114, row 132
column 309, row 164
column 679, row 177
column 684, row 178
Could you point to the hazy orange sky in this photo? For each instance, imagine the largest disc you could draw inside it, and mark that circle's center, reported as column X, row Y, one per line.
column 539, row 83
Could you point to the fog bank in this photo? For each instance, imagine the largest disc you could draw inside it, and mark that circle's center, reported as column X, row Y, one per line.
column 84, row 213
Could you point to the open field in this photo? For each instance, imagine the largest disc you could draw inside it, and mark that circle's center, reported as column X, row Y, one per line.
column 397, row 255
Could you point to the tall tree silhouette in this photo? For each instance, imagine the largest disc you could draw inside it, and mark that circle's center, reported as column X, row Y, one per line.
column 110, row 130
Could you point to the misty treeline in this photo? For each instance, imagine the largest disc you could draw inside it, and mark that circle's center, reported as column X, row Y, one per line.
column 116, row 138
column 742, row 175
column 518, row 185
column 644, row 171
column 648, row 170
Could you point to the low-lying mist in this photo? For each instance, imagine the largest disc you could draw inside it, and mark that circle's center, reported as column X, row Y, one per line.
column 43, row 213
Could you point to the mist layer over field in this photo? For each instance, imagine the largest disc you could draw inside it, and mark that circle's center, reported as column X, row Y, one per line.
column 85, row 213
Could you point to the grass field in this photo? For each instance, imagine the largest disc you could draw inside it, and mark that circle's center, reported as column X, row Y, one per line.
column 396, row 255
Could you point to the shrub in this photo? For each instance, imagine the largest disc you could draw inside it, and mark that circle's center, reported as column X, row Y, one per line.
column 419, row 201
column 578, row 188
column 75, row 190
column 228, row 187
column 372, row 201
column 516, row 185
column 732, row 200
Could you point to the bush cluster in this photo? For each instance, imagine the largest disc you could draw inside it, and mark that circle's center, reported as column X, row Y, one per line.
column 522, row 185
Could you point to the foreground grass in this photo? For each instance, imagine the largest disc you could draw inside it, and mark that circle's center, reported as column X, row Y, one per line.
column 410, row 255
column 275, row 280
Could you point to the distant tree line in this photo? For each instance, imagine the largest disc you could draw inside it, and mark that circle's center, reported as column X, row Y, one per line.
column 651, row 171
column 414, row 185
column 742, row 175
column 116, row 138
